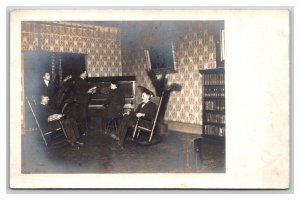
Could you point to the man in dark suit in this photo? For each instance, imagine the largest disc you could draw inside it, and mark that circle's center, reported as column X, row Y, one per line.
column 65, row 97
column 49, row 121
column 82, row 96
column 47, row 87
column 114, row 103
column 145, row 111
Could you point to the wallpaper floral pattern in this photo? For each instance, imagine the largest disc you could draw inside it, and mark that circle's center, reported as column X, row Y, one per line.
column 193, row 51
column 101, row 44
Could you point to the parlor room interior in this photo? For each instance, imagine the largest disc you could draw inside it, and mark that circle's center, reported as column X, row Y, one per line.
column 181, row 62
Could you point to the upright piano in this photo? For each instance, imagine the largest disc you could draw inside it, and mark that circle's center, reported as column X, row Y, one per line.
column 126, row 83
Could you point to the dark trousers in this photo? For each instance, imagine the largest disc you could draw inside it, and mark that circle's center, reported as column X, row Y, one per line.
column 81, row 117
column 126, row 122
column 71, row 129
column 109, row 113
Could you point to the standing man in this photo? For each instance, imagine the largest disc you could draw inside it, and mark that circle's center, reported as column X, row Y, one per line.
column 65, row 92
column 82, row 97
column 47, row 87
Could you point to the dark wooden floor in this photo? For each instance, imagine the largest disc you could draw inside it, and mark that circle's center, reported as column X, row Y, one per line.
column 101, row 154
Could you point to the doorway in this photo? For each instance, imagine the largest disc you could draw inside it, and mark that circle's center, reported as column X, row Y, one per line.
column 59, row 65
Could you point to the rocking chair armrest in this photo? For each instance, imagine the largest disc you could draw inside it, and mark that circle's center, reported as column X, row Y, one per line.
column 57, row 119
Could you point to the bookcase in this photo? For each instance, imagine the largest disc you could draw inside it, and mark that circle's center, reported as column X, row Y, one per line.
column 213, row 95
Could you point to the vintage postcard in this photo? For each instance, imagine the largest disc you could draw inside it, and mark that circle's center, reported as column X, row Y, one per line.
column 162, row 99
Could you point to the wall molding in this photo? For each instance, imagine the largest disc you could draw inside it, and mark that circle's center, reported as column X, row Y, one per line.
column 184, row 127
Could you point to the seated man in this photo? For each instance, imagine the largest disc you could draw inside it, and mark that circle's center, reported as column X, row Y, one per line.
column 145, row 111
column 49, row 121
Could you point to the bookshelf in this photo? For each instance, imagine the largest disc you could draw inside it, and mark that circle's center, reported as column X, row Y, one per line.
column 213, row 93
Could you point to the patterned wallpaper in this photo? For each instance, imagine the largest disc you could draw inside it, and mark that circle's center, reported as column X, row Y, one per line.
column 134, row 64
column 101, row 44
column 194, row 50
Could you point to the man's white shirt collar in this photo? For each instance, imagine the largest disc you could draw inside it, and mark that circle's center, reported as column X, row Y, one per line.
column 46, row 82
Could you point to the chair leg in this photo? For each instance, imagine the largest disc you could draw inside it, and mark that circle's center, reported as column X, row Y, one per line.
column 63, row 128
column 111, row 125
column 138, row 133
column 115, row 125
column 151, row 135
column 135, row 129
column 107, row 127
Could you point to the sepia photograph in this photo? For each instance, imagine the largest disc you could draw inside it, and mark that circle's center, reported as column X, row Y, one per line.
column 173, row 99
column 171, row 67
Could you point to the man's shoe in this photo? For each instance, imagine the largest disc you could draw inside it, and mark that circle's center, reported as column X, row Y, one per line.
column 79, row 143
column 120, row 144
column 71, row 143
column 114, row 136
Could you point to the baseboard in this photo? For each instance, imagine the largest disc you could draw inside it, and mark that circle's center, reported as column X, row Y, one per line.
column 184, row 127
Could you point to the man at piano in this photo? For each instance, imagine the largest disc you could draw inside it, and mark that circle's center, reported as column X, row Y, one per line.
column 113, row 105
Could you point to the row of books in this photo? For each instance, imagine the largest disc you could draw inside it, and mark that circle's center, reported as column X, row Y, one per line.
column 214, row 130
column 215, row 118
column 218, row 105
column 214, row 79
column 215, row 91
